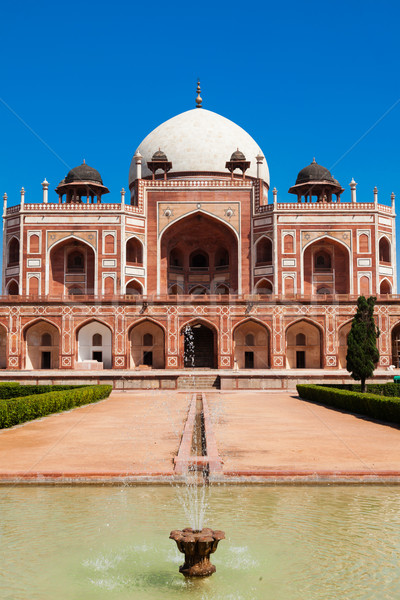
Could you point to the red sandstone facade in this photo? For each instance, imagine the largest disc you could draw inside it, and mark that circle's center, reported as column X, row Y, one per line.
column 262, row 284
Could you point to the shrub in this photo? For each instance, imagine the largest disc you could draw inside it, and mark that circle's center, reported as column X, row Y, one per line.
column 382, row 389
column 25, row 408
column 383, row 408
column 15, row 390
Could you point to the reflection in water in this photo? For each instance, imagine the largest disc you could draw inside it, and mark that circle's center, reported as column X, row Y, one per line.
column 283, row 543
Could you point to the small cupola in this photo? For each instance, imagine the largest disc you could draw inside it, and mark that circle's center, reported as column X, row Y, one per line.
column 237, row 161
column 316, row 181
column 158, row 161
column 82, row 182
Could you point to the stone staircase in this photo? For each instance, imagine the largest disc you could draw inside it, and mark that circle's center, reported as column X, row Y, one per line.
column 199, row 381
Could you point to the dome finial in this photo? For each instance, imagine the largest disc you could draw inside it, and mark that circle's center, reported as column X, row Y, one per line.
column 198, row 99
column 84, row 162
column 314, row 162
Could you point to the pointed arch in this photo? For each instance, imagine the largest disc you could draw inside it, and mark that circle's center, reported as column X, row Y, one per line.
column 251, row 343
column 134, row 287
column 385, row 287
column 146, row 343
column 263, row 251
column 41, row 339
column 309, row 356
column 12, row 288
column 343, row 333
column 198, row 344
column 340, row 267
column 134, row 254
column 385, row 250
column 13, row 248
column 264, row 287
column 72, row 262
column 84, row 334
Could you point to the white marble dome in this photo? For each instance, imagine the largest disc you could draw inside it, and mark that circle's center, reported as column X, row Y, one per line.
column 199, row 140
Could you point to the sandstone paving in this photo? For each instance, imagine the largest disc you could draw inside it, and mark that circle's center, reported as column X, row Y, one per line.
column 277, row 431
column 135, row 432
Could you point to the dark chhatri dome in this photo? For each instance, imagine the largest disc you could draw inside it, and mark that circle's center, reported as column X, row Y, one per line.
column 159, row 156
column 315, row 172
column 237, row 155
column 83, row 173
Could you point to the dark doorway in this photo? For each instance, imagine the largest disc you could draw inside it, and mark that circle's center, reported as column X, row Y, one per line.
column 249, row 360
column 96, row 355
column 148, row 358
column 46, row 360
column 300, row 359
column 199, row 347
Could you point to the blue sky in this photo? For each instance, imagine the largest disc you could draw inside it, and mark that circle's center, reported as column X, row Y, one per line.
column 304, row 79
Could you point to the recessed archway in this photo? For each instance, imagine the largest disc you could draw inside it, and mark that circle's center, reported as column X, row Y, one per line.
column 385, row 287
column 396, row 345
column 147, row 345
column 72, row 265
column 42, row 340
column 199, row 345
column 89, row 347
column 303, row 352
column 326, row 265
column 198, row 251
column 251, row 345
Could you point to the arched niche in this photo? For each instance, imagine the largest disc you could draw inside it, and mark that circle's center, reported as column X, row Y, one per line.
column 264, row 287
column 109, row 244
column 198, row 250
column 42, row 341
column 343, row 334
column 134, row 252
column 251, row 346
column 288, row 244
column 263, row 252
column 101, row 353
column 147, row 345
column 134, row 288
column 326, row 264
column 385, row 287
column 13, row 253
column 364, row 285
column 12, row 288
column 34, row 243
column 384, row 251
column 303, row 356
column 72, row 266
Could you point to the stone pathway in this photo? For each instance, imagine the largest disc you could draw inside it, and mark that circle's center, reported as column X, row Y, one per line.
column 277, row 433
column 129, row 433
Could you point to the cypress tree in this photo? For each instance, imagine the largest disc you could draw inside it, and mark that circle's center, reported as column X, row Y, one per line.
column 362, row 353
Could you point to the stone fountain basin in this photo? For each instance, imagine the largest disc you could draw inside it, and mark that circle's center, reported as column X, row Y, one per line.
column 197, row 545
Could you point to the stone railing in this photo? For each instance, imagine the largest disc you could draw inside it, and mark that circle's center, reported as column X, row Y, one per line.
column 82, row 207
column 324, row 206
column 330, row 299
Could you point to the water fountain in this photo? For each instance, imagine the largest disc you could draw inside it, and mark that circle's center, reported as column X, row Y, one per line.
column 197, row 546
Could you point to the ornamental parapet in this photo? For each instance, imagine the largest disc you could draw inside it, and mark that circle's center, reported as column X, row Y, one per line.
column 82, row 207
column 187, row 299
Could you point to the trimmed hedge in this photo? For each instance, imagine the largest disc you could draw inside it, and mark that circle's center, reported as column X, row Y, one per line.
column 383, row 408
column 15, row 390
column 18, row 410
column 382, row 389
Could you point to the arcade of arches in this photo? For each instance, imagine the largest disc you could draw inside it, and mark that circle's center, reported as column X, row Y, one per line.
column 198, row 345
column 199, row 255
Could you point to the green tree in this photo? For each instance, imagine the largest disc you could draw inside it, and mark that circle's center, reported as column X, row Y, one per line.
column 362, row 353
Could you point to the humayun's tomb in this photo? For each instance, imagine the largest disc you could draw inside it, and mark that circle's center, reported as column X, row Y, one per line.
column 200, row 241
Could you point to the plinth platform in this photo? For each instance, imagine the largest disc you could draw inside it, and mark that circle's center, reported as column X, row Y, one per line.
column 191, row 379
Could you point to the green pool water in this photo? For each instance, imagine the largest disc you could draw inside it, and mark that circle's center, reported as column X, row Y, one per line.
column 282, row 543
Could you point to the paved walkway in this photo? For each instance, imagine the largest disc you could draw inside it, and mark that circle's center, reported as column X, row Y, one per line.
column 129, row 433
column 137, row 434
column 277, row 433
